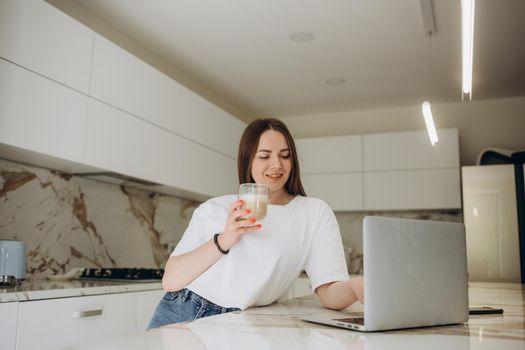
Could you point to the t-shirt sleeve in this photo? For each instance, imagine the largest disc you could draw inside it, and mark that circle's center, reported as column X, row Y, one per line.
column 209, row 218
column 326, row 262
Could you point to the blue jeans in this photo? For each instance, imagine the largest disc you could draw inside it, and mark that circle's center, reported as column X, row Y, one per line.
column 184, row 305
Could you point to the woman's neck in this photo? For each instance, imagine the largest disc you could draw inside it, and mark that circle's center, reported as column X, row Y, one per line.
column 280, row 197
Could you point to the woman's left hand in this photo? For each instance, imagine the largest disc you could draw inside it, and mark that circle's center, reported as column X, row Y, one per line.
column 358, row 286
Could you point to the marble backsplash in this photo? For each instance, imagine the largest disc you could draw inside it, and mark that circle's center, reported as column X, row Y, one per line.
column 68, row 221
column 351, row 226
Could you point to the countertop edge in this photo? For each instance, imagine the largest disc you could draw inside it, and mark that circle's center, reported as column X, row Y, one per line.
column 45, row 289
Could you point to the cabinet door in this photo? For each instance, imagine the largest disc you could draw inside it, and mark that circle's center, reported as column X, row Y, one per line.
column 204, row 122
column 122, row 80
column 340, row 191
column 410, row 150
column 40, row 115
column 412, row 189
column 8, row 322
column 119, row 142
column 37, row 36
column 148, row 301
column 330, row 154
column 54, row 323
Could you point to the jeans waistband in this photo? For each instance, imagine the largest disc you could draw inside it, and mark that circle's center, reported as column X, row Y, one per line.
column 188, row 294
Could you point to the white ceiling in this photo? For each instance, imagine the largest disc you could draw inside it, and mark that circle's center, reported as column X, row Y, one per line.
column 241, row 50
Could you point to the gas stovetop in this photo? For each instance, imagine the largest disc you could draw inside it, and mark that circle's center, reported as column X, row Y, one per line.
column 123, row 274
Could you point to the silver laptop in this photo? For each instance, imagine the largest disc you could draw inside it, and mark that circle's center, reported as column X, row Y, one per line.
column 415, row 275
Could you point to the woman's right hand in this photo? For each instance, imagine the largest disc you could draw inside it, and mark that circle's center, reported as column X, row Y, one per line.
column 235, row 226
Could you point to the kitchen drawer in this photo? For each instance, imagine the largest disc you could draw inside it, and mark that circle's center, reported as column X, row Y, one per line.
column 148, row 301
column 46, row 324
column 8, row 321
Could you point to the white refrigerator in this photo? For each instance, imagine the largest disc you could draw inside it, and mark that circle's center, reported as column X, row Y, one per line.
column 490, row 216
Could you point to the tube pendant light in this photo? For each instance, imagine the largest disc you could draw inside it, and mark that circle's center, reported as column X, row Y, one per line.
column 429, row 122
column 427, row 15
column 467, row 45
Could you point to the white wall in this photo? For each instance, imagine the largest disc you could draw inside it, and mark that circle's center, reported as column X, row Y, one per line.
column 489, row 123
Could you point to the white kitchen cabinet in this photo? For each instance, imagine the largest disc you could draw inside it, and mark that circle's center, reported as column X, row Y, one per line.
column 124, row 144
column 403, row 171
column 330, row 154
column 8, row 323
column 302, row 287
column 122, row 80
column 40, row 115
column 37, row 36
column 412, row 189
column 410, row 150
column 390, row 171
column 54, row 323
column 341, row 191
column 148, row 301
column 204, row 122
column 54, row 71
column 331, row 169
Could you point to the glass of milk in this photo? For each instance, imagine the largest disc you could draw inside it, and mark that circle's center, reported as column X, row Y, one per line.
column 255, row 197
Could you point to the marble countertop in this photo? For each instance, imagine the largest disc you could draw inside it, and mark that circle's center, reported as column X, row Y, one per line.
column 49, row 289
column 278, row 327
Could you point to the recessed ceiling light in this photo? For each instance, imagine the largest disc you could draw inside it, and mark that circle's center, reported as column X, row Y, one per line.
column 335, row 81
column 301, row 37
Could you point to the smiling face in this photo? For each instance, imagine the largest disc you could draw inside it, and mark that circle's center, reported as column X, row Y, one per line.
column 272, row 162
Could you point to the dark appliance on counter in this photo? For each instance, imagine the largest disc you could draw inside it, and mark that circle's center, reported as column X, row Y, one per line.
column 122, row 274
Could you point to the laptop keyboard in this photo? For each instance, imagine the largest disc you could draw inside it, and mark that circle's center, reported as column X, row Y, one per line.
column 356, row 320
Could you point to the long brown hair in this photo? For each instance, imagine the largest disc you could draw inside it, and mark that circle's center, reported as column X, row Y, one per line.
column 248, row 148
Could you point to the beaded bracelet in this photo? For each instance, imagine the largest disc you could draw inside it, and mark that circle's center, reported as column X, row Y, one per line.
column 216, row 241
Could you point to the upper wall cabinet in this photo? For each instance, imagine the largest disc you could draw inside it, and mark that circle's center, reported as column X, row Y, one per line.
column 123, row 144
column 341, row 191
column 403, row 171
column 73, row 101
column 124, row 81
column 410, row 150
column 331, row 169
column 330, row 154
column 412, row 189
column 36, row 36
column 40, row 115
column 207, row 124
column 390, row 171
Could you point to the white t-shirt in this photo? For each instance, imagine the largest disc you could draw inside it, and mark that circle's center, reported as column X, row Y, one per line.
column 263, row 266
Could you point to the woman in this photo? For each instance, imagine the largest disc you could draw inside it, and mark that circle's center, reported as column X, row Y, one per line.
column 224, row 263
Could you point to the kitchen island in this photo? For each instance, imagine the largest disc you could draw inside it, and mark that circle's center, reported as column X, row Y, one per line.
column 278, row 327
